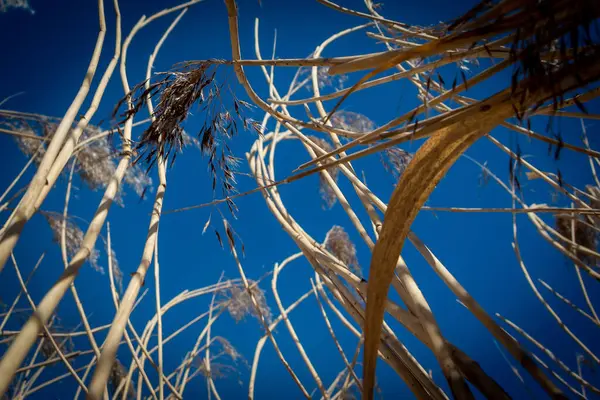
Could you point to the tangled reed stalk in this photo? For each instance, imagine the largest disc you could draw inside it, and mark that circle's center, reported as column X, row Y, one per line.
column 550, row 48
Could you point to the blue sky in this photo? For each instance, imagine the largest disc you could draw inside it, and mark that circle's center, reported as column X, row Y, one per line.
column 45, row 55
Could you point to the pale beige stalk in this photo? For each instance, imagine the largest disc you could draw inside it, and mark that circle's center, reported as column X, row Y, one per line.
column 25, row 210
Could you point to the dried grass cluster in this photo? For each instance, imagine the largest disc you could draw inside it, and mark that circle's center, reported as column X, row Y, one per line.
column 227, row 349
column 325, row 80
column 65, row 344
column 325, row 189
column 116, row 269
column 239, row 303
column 178, row 91
column 225, row 360
column 96, row 162
column 48, row 350
column 193, row 84
column 117, row 374
column 538, row 27
column 31, row 147
column 74, row 238
column 338, row 243
column 594, row 202
column 6, row 5
column 352, row 121
column 585, row 235
column 395, row 160
column 586, row 227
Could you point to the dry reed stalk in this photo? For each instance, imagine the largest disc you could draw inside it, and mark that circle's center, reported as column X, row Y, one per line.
column 293, row 334
column 430, row 164
column 75, row 134
column 334, row 337
column 23, row 342
column 396, row 363
column 569, row 302
column 333, row 268
column 53, row 297
column 63, row 246
column 47, row 334
column 261, row 342
column 27, row 206
column 108, row 356
column 548, row 353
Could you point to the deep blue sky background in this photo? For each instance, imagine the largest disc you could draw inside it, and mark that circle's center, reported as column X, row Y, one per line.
column 46, row 55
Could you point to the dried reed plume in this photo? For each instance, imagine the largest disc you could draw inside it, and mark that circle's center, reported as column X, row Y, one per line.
column 550, row 47
column 96, row 161
column 395, row 160
column 239, row 302
column 224, row 362
column 5, row 5
column 118, row 373
column 352, row 121
column 74, row 237
column 178, row 91
column 324, row 79
column 338, row 243
column 116, row 269
column 585, row 235
column 327, row 193
column 190, row 84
